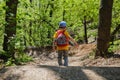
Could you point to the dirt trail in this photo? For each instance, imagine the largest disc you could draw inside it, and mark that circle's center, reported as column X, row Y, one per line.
column 80, row 68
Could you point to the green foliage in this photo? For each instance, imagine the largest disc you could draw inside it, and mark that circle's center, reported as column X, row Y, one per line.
column 4, row 53
column 24, row 58
column 115, row 46
column 10, row 62
column 115, row 14
column 36, row 25
column 2, row 21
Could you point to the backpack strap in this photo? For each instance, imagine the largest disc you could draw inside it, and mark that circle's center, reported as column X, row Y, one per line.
column 60, row 31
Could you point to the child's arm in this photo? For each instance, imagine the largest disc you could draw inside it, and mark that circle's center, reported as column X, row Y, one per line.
column 54, row 45
column 73, row 41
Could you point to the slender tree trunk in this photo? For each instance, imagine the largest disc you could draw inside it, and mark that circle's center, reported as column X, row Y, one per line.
column 105, row 16
column 30, row 29
column 30, row 33
column 51, row 15
column 30, row 1
column 63, row 15
column 64, row 11
column 10, row 27
column 52, row 7
column 85, row 30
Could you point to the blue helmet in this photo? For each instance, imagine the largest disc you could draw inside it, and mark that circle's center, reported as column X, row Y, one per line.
column 62, row 24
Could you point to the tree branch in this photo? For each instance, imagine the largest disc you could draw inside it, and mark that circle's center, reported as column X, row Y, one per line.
column 116, row 30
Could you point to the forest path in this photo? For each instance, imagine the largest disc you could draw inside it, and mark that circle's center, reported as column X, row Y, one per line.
column 49, row 70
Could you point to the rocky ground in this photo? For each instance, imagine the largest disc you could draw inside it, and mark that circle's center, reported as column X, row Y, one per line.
column 82, row 66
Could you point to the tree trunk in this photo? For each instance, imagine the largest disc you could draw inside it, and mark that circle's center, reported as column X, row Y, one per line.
column 64, row 11
column 51, row 15
column 85, row 30
column 30, row 28
column 10, row 27
column 105, row 16
column 64, row 15
column 30, row 1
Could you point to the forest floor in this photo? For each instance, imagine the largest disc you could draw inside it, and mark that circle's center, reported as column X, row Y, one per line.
column 82, row 66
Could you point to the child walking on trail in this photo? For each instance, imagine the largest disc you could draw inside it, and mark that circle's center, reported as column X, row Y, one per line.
column 61, row 43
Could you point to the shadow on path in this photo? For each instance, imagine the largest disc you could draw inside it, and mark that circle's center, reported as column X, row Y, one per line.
column 63, row 73
column 78, row 73
column 10, row 76
column 67, row 73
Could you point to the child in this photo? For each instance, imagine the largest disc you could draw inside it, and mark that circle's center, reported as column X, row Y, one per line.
column 62, row 46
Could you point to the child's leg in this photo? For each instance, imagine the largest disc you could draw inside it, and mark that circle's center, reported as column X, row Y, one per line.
column 60, row 57
column 65, row 58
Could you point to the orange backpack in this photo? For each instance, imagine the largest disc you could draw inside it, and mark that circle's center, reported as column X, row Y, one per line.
column 61, row 39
